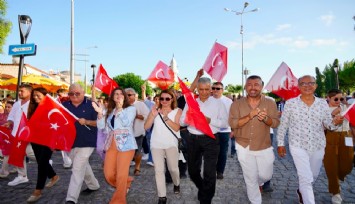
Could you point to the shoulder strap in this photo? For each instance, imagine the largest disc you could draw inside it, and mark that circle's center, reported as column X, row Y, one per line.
column 168, row 126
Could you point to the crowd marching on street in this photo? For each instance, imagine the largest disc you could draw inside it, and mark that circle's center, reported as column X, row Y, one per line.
column 193, row 145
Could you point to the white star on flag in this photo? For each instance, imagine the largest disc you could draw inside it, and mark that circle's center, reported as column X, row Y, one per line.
column 54, row 126
column 18, row 144
column 7, row 141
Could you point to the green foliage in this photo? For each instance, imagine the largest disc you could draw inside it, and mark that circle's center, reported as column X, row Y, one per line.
column 5, row 26
column 233, row 88
column 130, row 80
column 319, row 80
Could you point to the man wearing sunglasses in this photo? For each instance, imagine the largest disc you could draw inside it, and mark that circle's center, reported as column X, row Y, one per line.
column 304, row 119
column 201, row 146
column 224, row 133
column 84, row 143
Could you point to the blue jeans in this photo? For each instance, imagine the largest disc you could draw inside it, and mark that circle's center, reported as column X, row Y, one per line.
column 223, row 150
column 233, row 151
column 148, row 135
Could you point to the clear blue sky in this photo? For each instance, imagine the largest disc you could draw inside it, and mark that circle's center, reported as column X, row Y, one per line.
column 132, row 36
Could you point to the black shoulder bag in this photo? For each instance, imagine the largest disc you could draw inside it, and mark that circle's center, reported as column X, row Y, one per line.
column 181, row 145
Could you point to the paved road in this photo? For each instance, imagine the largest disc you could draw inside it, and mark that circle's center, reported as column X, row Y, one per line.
column 230, row 190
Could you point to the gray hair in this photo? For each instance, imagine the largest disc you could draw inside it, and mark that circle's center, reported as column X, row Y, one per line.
column 130, row 90
column 76, row 86
column 304, row 76
column 204, row 80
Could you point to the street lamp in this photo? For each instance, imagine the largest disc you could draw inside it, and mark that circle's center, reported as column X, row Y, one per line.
column 72, row 44
column 246, row 73
column 85, row 60
column 93, row 73
column 241, row 32
column 24, row 24
column 336, row 69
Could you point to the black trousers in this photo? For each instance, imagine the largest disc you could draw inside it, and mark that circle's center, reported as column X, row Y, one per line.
column 43, row 155
column 203, row 147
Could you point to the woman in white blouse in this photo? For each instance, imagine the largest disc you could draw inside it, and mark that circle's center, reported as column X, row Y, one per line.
column 120, row 144
column 163, row 142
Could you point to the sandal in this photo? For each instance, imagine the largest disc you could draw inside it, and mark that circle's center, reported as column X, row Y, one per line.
column 137, row 172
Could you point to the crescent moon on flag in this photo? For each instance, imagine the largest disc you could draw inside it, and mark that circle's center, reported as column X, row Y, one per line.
column 23, row 129
column 214, row 58
column 101, row 79
column 5, row 134
column 55, row 110
column 282, row 82
column 156, row 73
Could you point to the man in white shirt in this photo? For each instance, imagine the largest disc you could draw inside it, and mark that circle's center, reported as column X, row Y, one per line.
column 304, row 118
column 13, row 120
column 138, row 126
column 202, row 146
column 224, row 133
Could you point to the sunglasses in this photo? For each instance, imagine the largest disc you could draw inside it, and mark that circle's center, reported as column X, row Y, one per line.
column 164, row 99
column 216, row 88
column 129, row 95
column 73, row 94
column 337, row 99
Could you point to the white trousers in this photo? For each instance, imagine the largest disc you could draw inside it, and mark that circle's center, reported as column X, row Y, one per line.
column 257, row 168
column 66, row 159
column 31, row 155
column 81, row 171
column 308, row 165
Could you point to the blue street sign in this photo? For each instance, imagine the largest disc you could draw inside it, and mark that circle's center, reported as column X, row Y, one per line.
column 24, row 49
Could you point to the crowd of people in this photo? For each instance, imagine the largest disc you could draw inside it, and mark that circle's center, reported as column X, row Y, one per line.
column 121, row 128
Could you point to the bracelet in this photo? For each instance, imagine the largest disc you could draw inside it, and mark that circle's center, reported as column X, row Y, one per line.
column 166, row 119
column 265, row 119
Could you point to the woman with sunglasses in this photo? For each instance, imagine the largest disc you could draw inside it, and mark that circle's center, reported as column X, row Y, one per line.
column 163, row 144
column 42, row 153
column 120, row 144
column 339, row 151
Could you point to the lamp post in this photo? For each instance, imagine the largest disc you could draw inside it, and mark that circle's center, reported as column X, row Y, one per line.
column 336, row 69
column 241, row 33
column 72, row 44
column 24, row 23
column 93, row 73
column 246, row 73
column 85, row 60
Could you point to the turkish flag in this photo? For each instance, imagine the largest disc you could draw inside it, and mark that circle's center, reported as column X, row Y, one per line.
column 283, row 83
column 52, row 125
column 104, row 82
column 18, row 146
column 194, row 116
column 162, row 76
column 5, row 140
column 349, row 114
column 216, row 62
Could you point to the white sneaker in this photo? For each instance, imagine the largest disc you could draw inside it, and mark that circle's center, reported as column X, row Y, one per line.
column 145, row 157
column 18, row 180
column 336, row 199
column 150, row 163
column 133, row 163
column 3, row 174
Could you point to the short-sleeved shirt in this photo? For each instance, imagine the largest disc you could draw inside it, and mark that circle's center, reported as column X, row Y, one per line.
column 84, row 136
column 16, row 114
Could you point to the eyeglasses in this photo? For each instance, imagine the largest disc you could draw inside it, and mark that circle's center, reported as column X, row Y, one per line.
column 74, row 94
column 129, row 95
column 164, row 99
column 307, row 83
column 337, row 99
column 216, row 88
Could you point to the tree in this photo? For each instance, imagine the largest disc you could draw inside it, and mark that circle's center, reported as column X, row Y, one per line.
column 320, row 85
column 347, row 76
column 234, row 88
column 5, row 26
column 130, row 80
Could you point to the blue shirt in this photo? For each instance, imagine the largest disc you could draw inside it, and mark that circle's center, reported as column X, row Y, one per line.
column 84, row 136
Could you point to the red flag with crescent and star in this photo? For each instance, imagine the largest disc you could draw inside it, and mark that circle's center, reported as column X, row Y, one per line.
column 18, row 146
column 6, row 139
column 194, row 116
column 349, row 114
column 162, row 76
column 283, row 83
column 52, row 125
column 216, row 62
column 104, row 82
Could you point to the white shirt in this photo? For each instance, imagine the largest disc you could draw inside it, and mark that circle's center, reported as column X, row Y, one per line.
column 138, row 126
column 212, row 108
column 227, row 102
column 345, row 125
column 16, row 114
column 305, row 125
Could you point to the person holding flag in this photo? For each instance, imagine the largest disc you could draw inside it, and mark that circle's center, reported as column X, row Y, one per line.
column 43, row 153
column 339, row 151
column 84, row 144
column 6, row 147
column 13, row 120
column 304, row 119
column 200, row 144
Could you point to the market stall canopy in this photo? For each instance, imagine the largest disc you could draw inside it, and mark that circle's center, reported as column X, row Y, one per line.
column 36, row 81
